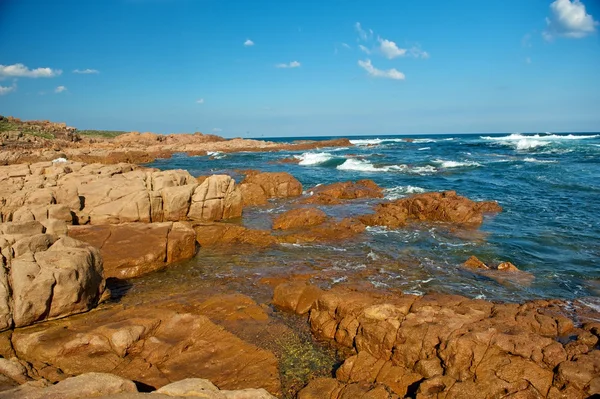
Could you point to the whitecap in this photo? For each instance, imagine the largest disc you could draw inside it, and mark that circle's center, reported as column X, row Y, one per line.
column 455, row 164
column 402, row 191
column 424, row 148
column 215, row 154
column 362, row 165
column 538, row 160
column 313, row 158
column 546, row 137
column 423, row 141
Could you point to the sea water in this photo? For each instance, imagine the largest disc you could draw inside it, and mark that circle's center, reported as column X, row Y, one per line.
column 548, row 185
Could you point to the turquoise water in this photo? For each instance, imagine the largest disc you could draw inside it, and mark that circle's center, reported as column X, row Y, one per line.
column 548, row 185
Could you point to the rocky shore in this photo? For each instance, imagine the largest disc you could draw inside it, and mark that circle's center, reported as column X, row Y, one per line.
column 74, row 232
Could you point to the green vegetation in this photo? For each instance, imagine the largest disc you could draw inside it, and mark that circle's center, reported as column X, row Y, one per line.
column 7, row 126
column 100, row 133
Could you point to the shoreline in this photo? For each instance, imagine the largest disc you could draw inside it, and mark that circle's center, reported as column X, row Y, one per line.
column 140, row 221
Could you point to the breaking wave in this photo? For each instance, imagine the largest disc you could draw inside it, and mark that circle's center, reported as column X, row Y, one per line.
column 314, row 158
column 455, row 164
column 362, row 165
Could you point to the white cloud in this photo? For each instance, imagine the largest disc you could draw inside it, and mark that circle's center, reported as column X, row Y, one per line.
column 7, row 89
column 415, row 51
column 200, row 101
column 362, row 34
column 248, row 43
column 293, row 64
column 86, row 71
column 389, row 49
column 60, row 89
column 21, row 71
column 380, row 73
column 569, row 19
column 364, row 49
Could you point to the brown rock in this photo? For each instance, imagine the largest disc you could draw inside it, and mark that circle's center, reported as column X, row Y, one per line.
column 474, row 263
column 332, row 230
column 153, row 345
column 445, row 207
column 332, row 194
column 134, row 249
column 272, row 185
column 507, row 266
column 224, row 234
column 298, row 218
column 55, row 281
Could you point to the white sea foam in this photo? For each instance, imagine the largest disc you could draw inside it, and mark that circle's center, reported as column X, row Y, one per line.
column 449, row 139
column 366, row 166
column 538, row 160
column 376, row 141
column 313, row 158
column 545, row 137
column 424, row 148
column 215, row 154
column 455, row 164
column 402, row 191
column 423, row 141
column 527, row 142
column 60, row 160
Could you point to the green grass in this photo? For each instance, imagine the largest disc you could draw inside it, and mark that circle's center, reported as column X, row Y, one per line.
column 100, row 133
column 6, row 126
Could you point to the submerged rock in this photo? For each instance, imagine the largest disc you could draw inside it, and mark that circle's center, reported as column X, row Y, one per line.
column 332, row 194
column 445, row 207
column 299, row 218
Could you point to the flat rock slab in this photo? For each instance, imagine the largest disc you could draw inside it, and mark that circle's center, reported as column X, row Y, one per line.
column 133, row 249
column 153, row 345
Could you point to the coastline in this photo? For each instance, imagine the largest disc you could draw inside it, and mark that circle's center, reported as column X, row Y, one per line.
column 141, row 220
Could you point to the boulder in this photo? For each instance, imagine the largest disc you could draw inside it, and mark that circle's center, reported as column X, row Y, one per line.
column 134, row 249
column 257, row 188
column 299, row 218
column 48, row 279
column 216, row 198
column 447, row 207
column 332, row 194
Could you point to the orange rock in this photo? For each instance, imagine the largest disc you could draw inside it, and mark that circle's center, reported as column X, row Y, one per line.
column 299, row 217
column 445, row 207
column 507, row 266
column 332, row 193
column 332, row 230
column 224, row 234
column 474, row 263
column 258, row 187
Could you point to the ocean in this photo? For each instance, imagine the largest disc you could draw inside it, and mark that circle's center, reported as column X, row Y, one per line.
column 548, row 185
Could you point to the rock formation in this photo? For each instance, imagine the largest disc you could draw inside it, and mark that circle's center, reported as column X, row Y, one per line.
column 446, row 207
column 258, row 187
column 333, row 194
column 43, row 277
column 442, row 346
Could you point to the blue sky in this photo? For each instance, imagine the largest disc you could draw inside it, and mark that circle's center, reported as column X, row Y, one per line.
column 283, row 68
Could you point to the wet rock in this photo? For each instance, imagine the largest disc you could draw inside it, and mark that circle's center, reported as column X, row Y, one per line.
column 333, row 193
column 298, row 218
column 330, row 388
column 257, row 188
column 450, row 345
column 331, row 230
column 445, row 207
column 224, row 235
column 474, row 263
column 134, row 249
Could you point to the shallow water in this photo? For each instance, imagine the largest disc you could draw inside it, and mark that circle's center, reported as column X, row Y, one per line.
column 548, row 185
